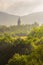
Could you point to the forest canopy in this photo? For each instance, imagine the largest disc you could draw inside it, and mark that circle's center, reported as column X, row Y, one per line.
column 19, row 51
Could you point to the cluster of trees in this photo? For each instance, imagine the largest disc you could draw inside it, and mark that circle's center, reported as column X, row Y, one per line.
column 9, row 46
column 35, row 58
column 21, row 30
column 24, row 52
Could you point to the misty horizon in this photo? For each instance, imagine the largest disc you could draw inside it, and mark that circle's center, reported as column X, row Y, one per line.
column 10, row 19
column 29, row 11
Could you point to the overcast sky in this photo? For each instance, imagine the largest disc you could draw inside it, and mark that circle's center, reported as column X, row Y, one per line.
column 21, row 7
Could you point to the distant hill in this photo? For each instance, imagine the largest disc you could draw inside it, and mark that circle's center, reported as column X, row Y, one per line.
column 8, row 19
column 34, row 17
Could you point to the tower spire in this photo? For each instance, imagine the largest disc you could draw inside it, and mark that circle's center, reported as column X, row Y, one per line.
column 19, row 21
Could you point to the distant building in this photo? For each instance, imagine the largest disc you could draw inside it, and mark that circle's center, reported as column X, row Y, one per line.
column 19, row 21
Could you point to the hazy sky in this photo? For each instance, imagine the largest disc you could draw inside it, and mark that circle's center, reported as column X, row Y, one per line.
column 21, row 7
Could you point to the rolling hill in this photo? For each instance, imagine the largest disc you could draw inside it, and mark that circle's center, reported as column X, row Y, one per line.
column 8, row 19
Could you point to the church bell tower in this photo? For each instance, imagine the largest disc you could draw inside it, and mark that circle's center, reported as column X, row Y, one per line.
column 19, row 21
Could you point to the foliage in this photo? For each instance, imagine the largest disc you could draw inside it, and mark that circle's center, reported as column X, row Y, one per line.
column 19, row 51
column 35, row 58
